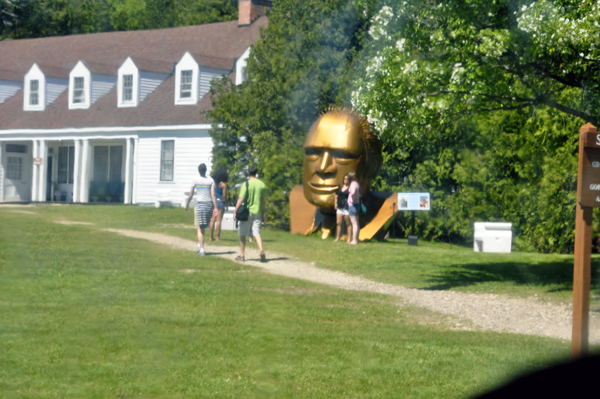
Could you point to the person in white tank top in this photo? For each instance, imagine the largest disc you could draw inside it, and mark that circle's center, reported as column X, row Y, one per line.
column 206, row 203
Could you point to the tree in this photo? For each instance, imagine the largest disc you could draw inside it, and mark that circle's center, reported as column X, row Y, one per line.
column 301, row 66
column 439, row 61
column 480, row 102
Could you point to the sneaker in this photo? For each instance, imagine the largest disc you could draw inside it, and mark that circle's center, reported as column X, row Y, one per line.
column 201, row 252
column 263, row 257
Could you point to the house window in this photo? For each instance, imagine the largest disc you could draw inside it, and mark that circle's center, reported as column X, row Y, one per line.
column 18, row 148
column 127, row 88
column 185, row 88
column 78, row 91
column 108, row 163
column 166, row 160
column 14, row 168
column 34, row 89
column 66, row 164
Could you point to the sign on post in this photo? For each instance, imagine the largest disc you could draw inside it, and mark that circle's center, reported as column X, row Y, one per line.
column 414, row 202
column 38, row 161
column 590, row 169
column 588, row 197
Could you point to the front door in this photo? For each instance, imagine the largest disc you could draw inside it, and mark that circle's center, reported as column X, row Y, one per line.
column 17, row 178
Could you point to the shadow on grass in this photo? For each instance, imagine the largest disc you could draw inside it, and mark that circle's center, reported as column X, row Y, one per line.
column 556, row 276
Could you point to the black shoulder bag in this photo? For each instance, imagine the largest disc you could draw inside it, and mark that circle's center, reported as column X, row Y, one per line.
column 243, row 213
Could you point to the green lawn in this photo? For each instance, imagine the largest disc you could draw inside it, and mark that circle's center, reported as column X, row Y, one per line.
column 85, row 313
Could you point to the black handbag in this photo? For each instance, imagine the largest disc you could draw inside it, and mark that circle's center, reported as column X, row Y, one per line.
column 243, row 213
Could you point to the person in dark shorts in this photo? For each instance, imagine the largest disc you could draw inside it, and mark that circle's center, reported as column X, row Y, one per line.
column 220, row 177
column 341, row 206
column 206, row 203
column 256, row 206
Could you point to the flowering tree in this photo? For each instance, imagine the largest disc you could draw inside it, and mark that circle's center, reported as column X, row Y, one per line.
column 438, row 60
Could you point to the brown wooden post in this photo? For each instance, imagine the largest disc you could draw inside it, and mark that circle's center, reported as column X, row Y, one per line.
column 588, row 197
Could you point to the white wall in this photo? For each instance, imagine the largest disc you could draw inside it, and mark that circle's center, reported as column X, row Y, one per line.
column 54, row 88
column 101, row 85
column 206, row 77
column 191, row 149
column 8, row 88
column 150, row 81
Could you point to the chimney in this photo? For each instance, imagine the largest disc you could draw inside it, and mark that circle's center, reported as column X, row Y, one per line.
column 250, row 10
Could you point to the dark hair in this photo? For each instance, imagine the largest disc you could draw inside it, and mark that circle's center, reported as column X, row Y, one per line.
column 220, row 175
column 202, row 169
column 252, row 170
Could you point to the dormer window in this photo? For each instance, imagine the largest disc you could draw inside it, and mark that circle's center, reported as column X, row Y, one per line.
column 186, row 84
column 78, row 91
column 129, row 85
column 187, row 81
column 34, row 92
column 34, row 95
column 81, row 95
column 127, row 88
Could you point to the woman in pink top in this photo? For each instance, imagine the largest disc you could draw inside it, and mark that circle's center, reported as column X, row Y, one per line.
column 354, row 206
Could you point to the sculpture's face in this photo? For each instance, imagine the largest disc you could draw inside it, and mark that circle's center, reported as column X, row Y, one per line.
column 332, row 148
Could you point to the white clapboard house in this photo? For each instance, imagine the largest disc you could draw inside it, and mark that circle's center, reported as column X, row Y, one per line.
column 116, row 116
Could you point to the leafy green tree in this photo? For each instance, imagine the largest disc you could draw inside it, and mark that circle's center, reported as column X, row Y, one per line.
column 480, row 102
column 438, row 61
column 7, row 16
column 195, row 12
column 301, row 66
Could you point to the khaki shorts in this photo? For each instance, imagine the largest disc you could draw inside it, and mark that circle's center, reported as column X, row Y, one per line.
column 251, row 227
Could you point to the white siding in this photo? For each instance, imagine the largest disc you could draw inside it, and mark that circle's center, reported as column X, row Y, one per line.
column 206, row 77
column 191, row 149
column 101, row 85
column 54, row 88
column 150, row 81
column 9, row 88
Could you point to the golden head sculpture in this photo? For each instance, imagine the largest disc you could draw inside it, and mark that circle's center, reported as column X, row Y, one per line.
column 339, row 142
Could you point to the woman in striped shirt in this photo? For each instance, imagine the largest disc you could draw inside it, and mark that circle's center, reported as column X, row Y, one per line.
column 206, row 203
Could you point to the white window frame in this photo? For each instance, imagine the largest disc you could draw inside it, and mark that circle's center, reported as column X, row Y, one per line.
column 240, row 67
column 163, row 161
column 128, row 68
column 78, row 90
column 187, row 63
column 35, row 73
column 80, row 71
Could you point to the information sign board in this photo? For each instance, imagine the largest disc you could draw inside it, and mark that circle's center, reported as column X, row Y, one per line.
column 589, row 193
column 38, row 161
column 414, row 202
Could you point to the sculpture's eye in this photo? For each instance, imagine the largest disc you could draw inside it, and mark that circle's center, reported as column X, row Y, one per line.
column 344, row 155
column 312, row 152
column 344, row 158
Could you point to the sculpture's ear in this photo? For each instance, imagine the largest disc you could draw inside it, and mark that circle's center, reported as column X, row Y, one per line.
column 373, row 164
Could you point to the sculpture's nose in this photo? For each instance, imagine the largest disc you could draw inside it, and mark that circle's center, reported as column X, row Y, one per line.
column 327, row 164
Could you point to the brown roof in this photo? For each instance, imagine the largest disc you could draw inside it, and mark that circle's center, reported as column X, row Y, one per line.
column 216, row 45
column 157, row 109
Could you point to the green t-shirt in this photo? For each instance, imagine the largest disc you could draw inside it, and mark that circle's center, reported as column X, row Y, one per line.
column 256, row 190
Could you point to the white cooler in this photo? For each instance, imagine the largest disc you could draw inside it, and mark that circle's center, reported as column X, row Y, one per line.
column 492, row 237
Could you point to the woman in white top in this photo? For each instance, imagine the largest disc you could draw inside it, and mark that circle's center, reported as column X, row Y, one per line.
column 206, row 203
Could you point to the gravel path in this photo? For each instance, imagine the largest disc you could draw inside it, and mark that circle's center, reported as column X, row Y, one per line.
column 476, row 311
column 483, row 311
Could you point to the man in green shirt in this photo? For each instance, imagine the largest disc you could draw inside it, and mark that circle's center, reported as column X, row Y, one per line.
column 256, row 206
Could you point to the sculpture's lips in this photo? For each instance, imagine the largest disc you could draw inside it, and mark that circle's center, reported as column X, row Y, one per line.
column 323, row 188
